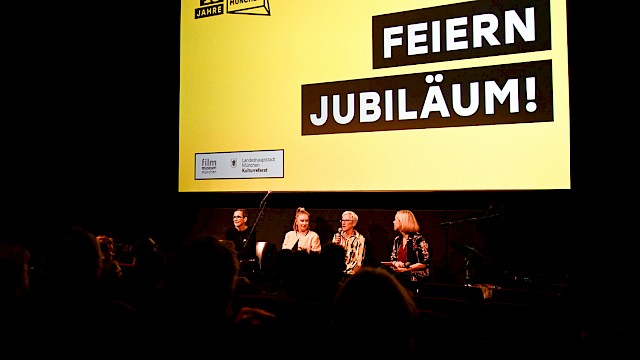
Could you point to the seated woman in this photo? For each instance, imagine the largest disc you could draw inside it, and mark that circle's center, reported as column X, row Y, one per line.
column 302, row 238
column 410, row 257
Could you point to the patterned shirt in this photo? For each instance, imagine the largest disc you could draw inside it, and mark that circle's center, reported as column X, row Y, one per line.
column 355, row 250
column 417, row 252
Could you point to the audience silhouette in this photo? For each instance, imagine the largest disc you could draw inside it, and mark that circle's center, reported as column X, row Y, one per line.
column 67, row 309
column 373, row 314
column 111, row 282
column 144, row 279
column 199, row 312
column 189, row 302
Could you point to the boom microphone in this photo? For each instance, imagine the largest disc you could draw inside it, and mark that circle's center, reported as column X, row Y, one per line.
column 265, row 198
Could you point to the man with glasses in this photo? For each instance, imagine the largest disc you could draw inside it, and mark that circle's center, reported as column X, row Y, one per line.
column 352, row 241
column 243, row 240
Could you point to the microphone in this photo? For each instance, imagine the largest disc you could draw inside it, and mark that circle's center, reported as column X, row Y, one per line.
column 262, row 203
column 340, row 234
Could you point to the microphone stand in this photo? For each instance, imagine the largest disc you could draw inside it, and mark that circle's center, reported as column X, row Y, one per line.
column 256, row 222
column 262, row 206
column 446, row 225
column 263, row 203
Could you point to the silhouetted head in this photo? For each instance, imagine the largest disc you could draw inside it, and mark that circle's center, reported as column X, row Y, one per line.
column 383, row 311
column 74, row 261
column 201, row 274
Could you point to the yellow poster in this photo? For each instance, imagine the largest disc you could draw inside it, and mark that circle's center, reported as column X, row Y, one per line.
column 367, row 95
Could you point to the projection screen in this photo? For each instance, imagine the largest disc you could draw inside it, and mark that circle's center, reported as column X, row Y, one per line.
column 365, row 95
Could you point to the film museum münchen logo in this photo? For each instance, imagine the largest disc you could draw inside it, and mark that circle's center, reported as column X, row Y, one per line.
column 209, row 8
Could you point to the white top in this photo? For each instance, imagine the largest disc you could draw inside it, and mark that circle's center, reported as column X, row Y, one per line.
column 307, row 242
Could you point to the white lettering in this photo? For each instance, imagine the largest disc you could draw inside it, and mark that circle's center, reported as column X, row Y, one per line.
column 483, row 27
column 513, row 21
column 369, row 106
column 414, row 37
column 390, row 41
column 369, row 102
column 492, row 90
column 350, row 109
column 487, row 32
column 453, row 33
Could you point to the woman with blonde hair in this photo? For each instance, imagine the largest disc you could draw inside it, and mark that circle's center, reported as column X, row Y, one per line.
column 410, row 256
column 301, row 238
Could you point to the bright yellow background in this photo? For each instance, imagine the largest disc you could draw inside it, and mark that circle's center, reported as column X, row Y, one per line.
column 241, row 78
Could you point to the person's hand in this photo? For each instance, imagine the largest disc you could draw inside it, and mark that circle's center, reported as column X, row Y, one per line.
column 399, row 266
column 337, row 239
column 248, row 316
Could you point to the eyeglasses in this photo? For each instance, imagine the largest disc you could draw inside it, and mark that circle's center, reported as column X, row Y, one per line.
column 237, row 217
column 346, row 220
